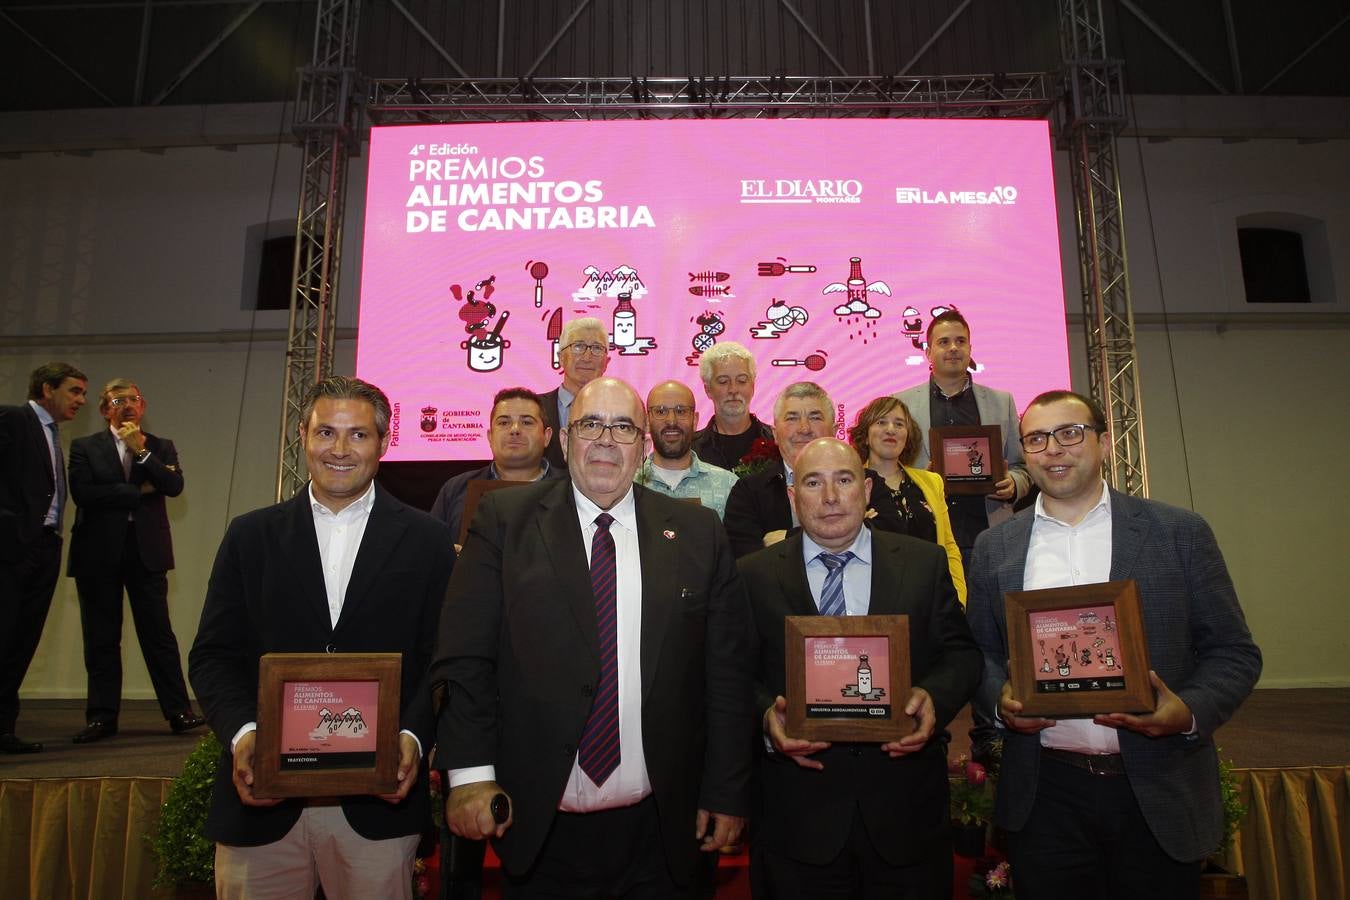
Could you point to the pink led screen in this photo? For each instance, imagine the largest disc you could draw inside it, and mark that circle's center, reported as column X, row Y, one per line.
column 822, row 245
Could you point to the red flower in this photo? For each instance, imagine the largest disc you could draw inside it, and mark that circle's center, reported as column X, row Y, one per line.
column 762, row 450
column 975, row 773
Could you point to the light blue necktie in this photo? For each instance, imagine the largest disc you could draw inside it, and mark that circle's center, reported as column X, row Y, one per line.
column 59, row 473
column 832, row 594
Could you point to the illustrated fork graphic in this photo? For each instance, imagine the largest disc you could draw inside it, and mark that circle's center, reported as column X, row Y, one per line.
column 777, row 268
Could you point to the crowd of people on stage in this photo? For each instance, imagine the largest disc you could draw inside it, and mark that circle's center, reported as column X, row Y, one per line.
column 594, row 654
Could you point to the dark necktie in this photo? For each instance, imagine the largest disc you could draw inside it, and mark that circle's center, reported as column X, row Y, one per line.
column 832, row 594
column 598, row 754
column 59, row 473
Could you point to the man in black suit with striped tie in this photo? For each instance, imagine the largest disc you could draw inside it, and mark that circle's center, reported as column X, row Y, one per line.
column 32, row 502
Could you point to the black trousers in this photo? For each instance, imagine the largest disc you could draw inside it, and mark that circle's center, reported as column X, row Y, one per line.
column 607, row 855
column 26, row 587
column 1087, row 830
column 859, row 872
column 101, row 623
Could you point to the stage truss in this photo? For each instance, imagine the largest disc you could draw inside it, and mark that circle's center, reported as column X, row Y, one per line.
column 1088, row 96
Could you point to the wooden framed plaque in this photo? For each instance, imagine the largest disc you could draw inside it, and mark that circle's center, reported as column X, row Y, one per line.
column 327, row 724
column 848, row 678
column 968, row 457
column 1078, row 651
column 473, row 492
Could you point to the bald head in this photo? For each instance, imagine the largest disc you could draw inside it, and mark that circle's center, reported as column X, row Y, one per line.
column 830, row 493
column 672, row 417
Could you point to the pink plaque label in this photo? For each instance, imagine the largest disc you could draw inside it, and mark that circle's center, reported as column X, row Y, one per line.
column 848, row 677
column 1076, row 650
column 328, row 724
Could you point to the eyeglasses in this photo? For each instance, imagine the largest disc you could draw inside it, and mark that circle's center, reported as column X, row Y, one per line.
column 1065, row 436
column 591, row 429
column 581, row 348
column 124, row 401
column 680, row 412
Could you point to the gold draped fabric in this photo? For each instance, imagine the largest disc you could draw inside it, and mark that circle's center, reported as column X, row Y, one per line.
column 88, row 838
column 1295, row 839
column 79, row 838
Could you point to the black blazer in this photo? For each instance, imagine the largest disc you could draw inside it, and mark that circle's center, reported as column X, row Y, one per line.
column 518, row 657
column 807, row 814
column 548, row 404
column 27, row 482
column 104, row 497
column 266, row 594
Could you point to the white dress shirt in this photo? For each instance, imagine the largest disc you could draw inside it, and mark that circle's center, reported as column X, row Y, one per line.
column 1059, row 555
column 45, row 420
column 629, row 783
column 857, row 573
column 339, row 535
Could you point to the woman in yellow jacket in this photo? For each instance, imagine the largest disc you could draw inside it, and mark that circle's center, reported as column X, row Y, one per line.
column 885, row 437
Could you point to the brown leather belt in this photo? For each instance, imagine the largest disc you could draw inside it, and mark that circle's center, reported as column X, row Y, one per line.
column 1096, row 763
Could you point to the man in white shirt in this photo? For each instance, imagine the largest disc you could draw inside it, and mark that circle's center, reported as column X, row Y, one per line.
column 342, row 567
column 1129, row 802
column 594, row 656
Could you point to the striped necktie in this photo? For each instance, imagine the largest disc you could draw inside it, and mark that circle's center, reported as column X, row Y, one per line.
column 599, row 752
column 832, row 594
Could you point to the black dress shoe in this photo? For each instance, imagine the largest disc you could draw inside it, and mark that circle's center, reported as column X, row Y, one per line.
column 185, row 722
column 12, row 743
column 95, row 731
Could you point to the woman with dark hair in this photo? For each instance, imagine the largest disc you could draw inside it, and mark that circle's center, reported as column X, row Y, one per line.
column 885, row 437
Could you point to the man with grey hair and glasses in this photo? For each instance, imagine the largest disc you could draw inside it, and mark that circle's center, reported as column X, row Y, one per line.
column 584, row 355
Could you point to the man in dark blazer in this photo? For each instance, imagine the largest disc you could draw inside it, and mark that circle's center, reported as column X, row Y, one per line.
column 852, row 819
column 583, row 351
column 594, row 657
column 119, row 477
column 340, row 568
column 1128, row 803
column 32, row 501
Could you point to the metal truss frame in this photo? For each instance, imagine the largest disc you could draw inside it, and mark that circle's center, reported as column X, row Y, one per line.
column 1092, row 114
column 411, row 101
column 327, row 120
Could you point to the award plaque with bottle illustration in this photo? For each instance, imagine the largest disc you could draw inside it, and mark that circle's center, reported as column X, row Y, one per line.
column 848, row 677
column 968, row 457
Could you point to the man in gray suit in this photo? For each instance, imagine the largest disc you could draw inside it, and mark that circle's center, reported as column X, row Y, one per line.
column 1127, row 803
column 951, row 397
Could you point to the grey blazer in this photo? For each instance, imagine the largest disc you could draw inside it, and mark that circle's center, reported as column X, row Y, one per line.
column 1198, row 643
column 996, row 408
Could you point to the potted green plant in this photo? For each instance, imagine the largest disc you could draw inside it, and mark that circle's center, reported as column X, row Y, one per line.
column 1217, row 880
column 187, row 858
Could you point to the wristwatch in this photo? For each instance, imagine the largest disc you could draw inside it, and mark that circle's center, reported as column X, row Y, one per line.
column 143, row 456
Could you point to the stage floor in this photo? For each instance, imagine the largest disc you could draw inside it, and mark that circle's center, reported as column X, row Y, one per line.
column 1273, row 729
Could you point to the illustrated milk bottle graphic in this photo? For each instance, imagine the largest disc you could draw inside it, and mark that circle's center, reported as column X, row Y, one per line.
column 625, row 322
column 864, row 675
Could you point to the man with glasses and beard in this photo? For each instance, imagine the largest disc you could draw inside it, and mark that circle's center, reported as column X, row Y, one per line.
column 673, row 468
